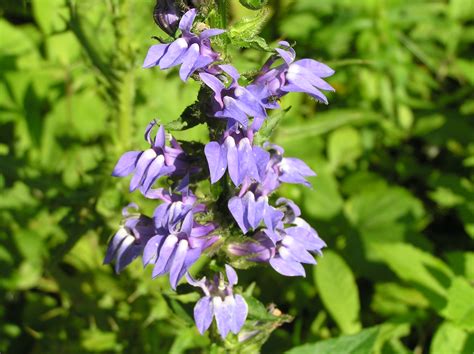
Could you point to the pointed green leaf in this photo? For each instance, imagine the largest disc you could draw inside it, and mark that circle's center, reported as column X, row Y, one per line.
column 338, row 291
column 360, row 343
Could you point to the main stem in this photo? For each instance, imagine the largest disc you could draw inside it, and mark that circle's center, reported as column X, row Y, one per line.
column 222, row 8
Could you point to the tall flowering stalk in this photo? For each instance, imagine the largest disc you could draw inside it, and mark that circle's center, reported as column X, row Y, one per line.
column 252, row 229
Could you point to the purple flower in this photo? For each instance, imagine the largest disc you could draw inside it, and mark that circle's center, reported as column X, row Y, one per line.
column 149, row 165
column 303, row 75
column 220, row 302
column 250, row 207
column 249, row 211
column 236, row 154
column 284, row 169
column 234, row 102
column 193, row 52
column 179, row 240
column 284, row 248
column 129, row 241
column 274, row 169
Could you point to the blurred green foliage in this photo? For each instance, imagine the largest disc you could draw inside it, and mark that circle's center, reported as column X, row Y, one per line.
column 394, row 195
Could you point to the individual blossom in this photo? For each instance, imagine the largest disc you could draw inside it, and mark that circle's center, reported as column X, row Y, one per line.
column 157, row 161
column 233, row 101
column 236, row 153
column 286, row 247
column 179, row 240
column 304, row 75
column 251, row 206
column 229, row 309
column 280, row 169
column 193, row 52
column 130, row 240
column 250, row 210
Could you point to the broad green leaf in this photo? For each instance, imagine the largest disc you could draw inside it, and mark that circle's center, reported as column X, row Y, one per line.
column 461, row 9
column 323, row 200
column 338, row 291
column 50, row 15
column 360, row 343
column 460, row 307
column 384, row 214
column 14, row 40
column 451, row 339
column 395, row 299
column 344, row 146
column 63, row 48
column 417, row 267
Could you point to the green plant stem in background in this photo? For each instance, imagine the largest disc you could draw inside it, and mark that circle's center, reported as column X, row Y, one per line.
column 126, row 85
column 222, row 8
column 117, row 68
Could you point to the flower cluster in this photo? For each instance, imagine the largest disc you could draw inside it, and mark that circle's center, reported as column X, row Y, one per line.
column 183, row 226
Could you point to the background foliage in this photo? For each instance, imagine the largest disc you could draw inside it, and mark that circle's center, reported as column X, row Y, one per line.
column 394, row 195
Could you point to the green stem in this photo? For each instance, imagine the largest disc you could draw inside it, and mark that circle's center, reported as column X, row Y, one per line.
column 126, row 94
column 222, row 7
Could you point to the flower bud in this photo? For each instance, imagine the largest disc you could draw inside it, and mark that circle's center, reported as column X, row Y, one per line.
column 167, row 15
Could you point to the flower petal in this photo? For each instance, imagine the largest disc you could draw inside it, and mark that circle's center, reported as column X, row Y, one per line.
column 153, row 172
column 150, row 252
column 203, row 312
column 223, row 316
column 187, row 20
column 216, row 156
column 240, row 313
column 231, row 275
column 154, row 55
column 174, row 54
column 121, row 261
column 126, row 164
column 233, row 160
column 237, row 210
column 114, row 244
column 142, row 165
column 178, row 262
column 189, row 60
column 288, row 268
column 166, row 252
column 210, row 33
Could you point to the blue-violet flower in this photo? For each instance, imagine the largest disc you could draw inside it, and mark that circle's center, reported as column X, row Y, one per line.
column 219, row 301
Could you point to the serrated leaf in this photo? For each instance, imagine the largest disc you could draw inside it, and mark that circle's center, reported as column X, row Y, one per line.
column 338, row 291
column 245, row 32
